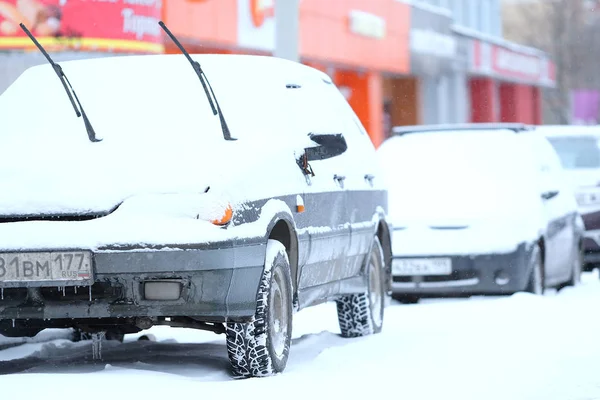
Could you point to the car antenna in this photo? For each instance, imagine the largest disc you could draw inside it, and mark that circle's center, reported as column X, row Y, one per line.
column 205, row 83
column 67, row 85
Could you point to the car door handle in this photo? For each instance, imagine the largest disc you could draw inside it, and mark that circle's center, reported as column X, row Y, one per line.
column 339, row 179
column 550, row 194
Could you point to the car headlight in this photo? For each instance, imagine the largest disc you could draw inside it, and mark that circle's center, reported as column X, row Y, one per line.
column 225, row 218
column 588, row 198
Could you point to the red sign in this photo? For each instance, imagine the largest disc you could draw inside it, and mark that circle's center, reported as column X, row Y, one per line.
column 118, row 25
column 506, row 63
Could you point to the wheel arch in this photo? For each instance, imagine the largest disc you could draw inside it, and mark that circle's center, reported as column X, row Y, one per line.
column 385, row 239
column 283, row 231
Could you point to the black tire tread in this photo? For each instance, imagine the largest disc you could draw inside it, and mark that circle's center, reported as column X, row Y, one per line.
column 354, row 312
column 247, row 342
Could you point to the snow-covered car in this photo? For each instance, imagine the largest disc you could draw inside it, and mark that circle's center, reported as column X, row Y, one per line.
column 579, row 150
column 170, row 204
column 478, row 209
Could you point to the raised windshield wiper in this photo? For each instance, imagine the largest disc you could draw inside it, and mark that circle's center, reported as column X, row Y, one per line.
column 67, row 85
column 205, row 83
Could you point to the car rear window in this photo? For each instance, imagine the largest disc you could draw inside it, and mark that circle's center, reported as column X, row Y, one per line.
column 577, row 152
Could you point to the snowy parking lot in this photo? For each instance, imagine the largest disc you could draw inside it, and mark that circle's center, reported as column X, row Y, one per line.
column 515, row 347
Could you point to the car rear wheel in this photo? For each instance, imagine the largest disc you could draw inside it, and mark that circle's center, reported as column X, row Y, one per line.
column 406, row 298
column 261, row 347
column 536, row 278
column 361, row 314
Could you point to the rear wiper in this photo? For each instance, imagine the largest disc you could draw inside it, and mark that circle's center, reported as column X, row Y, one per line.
column 67, row 85
column 205, row 83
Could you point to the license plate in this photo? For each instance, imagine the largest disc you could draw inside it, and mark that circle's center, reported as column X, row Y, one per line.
column 55, row 267
column 421, row 266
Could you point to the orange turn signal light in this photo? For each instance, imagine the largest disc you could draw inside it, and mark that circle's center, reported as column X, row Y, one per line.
column 227, row 215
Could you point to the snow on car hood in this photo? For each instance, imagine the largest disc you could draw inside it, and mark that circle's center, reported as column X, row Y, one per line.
column 92, row 178
column 461, row 180
column 453, row 178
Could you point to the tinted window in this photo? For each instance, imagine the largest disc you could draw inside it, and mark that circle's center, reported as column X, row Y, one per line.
column 577, row 152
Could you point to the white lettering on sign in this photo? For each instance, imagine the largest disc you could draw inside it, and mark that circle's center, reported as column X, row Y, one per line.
column 431, row 42
column 367, row 24
column 147, row 3
column 509, row 61
column 140, row 25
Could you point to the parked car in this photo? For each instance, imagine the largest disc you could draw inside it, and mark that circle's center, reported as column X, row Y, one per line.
column 579, row 150
column 478, row 209
column 173, row 204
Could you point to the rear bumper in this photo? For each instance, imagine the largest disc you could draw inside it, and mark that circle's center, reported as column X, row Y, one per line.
column 217, row 284
column 473, row 275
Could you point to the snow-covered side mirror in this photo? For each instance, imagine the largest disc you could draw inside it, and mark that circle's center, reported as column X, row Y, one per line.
column 329, row 145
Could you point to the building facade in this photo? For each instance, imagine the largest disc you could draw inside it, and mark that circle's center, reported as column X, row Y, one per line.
column 397, row 62
column 503, row 80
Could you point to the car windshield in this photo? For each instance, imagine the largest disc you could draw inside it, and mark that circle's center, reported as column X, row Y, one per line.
column 129, row 107
column 448, row 173
column 577, row 152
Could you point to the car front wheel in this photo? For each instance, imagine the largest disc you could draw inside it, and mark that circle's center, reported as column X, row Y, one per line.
column 577, row 269
column 536, row 278
column 261, row 347
column 361, row 314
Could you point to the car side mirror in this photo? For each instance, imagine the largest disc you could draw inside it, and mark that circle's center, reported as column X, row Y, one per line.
column 550, row 194
column 329, row 145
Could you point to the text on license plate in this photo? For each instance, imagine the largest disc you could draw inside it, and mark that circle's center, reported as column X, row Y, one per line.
column 45, row 266
column 421, row 266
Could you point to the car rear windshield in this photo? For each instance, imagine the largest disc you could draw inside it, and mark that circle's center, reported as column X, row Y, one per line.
column 577, row 152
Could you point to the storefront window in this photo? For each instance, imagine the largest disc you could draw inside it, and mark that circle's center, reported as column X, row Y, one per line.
column 472, row 10
column 485, row 19
column 458, row 10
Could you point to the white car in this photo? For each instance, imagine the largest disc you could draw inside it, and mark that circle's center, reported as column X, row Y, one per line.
column 478, row 210
column 168, row 203
column 579, row 150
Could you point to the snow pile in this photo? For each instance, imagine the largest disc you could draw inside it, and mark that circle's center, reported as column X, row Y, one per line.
column 520, row 347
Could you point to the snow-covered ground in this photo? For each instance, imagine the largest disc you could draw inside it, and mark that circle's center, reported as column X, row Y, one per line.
column 517, row 347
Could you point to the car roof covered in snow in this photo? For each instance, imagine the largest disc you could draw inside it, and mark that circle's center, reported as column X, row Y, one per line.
column 568, row 130
column 403, row 130
column 258, row 66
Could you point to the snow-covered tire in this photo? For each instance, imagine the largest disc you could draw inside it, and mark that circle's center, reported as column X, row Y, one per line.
column 261, row 347
column 535, row 285
column 361, row 314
